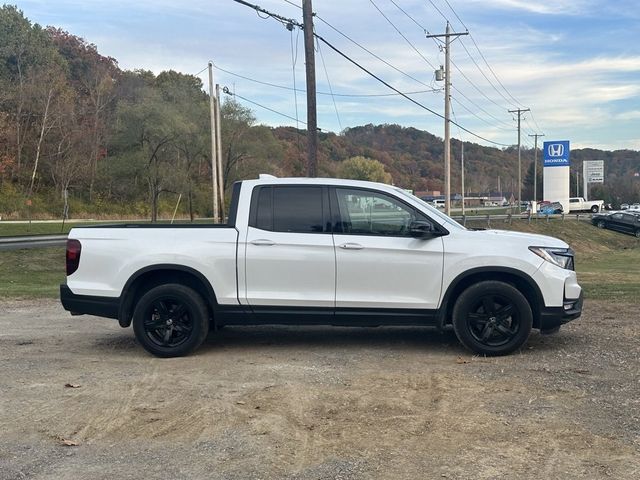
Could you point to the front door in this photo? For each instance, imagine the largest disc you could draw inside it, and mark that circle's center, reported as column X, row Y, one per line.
column 379, row 265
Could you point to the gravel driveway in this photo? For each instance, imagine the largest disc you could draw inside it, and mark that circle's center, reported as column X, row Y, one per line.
column 79, row 399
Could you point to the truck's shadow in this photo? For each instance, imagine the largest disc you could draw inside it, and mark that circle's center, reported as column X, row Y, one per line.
column 326, row 338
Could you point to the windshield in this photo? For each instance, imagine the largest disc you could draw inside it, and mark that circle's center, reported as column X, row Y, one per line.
column 434, row 212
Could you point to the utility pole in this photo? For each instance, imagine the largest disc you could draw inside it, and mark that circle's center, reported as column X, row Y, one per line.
column 214, row 150
column 535, row 167
column 219, row 151
column 447, row 108
column 519, row 111
column 310, row 62
column 462, row 173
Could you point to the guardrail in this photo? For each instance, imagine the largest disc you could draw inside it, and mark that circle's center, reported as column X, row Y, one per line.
column 32, row 241
column 529, row 217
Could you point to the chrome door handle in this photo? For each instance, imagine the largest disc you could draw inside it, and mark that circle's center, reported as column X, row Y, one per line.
column 262, row 242
column 351, row 246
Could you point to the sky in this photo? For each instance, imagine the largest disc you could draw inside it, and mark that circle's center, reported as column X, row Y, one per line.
column 574, row 63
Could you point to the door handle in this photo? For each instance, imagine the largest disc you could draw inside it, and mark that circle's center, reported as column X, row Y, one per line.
column 351, row 246
column 262, row 242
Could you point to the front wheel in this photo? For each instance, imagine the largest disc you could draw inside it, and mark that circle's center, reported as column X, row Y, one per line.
column 171, row 320
column 492, row 318
column 638, row 233
column 601, row 224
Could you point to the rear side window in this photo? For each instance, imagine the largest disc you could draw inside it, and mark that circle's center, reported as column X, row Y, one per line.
column 295, row 209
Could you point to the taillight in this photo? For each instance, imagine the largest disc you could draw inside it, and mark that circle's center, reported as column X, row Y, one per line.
column 73, row 255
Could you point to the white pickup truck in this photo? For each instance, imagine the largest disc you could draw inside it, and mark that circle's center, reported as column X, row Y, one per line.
column 321, row 252
column 579, row 204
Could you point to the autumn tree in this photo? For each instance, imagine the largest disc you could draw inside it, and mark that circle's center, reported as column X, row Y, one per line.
column 361, row 168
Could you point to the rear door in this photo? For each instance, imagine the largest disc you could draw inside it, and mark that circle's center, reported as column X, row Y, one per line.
column 289, row 252
column 379, row 264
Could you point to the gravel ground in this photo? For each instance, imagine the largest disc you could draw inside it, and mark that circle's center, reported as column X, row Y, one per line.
column 80, row 399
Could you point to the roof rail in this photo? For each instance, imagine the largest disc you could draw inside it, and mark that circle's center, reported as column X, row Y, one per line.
column 266, row 176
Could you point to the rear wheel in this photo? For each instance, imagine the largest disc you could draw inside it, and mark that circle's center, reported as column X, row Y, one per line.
column 492, row 318
column 638, row 233
column 171, row 320
column 595, row 209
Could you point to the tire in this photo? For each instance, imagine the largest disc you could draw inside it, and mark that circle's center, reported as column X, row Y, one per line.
column 492, row 318
column 595, row 209
column 171, row 320
column 601, row 224
column 638, row 233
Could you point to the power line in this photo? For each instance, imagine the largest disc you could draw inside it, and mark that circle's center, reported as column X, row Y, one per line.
column 410, row 17
column 234, row 94
column 505, row 124
column 402, row 35
column 299, row 90
column 475, row 86
column 371, row 53
column 439, row 11
column 403, row 94
column 329, row 83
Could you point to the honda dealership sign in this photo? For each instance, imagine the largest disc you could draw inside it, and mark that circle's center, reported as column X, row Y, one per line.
column 556, row 156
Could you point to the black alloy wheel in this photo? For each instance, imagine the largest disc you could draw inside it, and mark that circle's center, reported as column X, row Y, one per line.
column 171, row 320
column 492, row 318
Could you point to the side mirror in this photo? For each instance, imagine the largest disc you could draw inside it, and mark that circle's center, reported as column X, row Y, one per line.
column 421, row 229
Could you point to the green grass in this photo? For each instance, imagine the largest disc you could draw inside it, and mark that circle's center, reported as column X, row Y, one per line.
column 32, row 273
column 608, row 263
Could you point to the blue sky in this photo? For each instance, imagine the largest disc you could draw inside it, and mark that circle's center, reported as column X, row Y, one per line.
column 574, row 63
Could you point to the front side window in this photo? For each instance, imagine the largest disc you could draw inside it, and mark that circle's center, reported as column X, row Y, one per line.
column 364, row 212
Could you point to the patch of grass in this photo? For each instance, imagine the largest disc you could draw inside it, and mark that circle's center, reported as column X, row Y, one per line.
column 32, row 273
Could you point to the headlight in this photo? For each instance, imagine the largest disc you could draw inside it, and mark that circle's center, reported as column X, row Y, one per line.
column 561, row 257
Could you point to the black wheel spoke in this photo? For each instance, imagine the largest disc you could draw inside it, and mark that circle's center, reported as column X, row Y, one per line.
column 167, row 335
column 161, row 308
column 478, row 317
column 504, row 312
column 154, row 323
column 489, row 306
column 486, row 332
column 504, row 330
column 179, row 311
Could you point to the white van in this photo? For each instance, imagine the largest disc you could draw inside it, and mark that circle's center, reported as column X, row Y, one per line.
column 438, row 203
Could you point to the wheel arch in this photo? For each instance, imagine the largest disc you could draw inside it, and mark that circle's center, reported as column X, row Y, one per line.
column 520, row 280
column 153, row 275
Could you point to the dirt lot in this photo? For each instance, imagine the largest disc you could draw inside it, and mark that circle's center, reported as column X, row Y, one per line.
column 317, row 403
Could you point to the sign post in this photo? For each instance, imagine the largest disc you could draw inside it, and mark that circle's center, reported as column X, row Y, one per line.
column 593, row 172
column 556, row 172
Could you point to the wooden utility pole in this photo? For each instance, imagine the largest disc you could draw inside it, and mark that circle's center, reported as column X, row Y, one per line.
column 535, row 167
column 214, row 149
column 219, row 151
column 310, row 61
column 462, row 172
column 519, row 111
column 447, row 109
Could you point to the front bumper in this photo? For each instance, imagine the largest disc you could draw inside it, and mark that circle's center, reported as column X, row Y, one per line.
column 86, row 304
column 554, row 317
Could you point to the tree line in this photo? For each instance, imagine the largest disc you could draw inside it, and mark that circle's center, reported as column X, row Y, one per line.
column 131, row 143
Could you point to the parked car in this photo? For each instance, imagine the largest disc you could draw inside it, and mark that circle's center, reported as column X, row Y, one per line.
column 551, row 208
column 624, row 206
column 626, row 221
column 320, row 252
